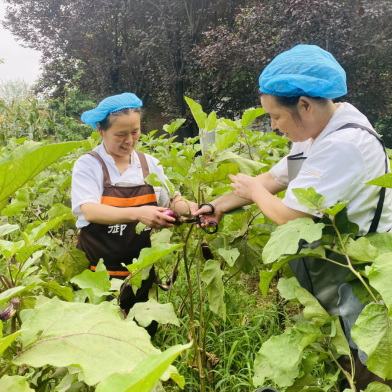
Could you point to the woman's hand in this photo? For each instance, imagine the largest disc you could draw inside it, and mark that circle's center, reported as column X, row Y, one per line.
column 206, row 219
column 154, row 217
column 244, row 186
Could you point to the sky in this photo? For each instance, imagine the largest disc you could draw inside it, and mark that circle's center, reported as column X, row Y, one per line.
column 20, row 63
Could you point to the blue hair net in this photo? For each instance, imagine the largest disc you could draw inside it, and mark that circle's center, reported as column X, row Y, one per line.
column 305, row 70
column 110, row 105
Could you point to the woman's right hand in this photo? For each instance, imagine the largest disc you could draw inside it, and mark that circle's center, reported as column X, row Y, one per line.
column 154, row 217
column 206, row 219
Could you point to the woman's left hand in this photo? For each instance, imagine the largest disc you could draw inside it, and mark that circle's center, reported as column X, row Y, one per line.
column 244, row 185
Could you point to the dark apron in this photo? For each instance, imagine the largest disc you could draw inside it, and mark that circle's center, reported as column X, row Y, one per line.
column 324, row 279
column 119, row 244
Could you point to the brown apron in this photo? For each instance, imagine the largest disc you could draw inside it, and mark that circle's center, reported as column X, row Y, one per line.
column 324, row 279
column 118, row 243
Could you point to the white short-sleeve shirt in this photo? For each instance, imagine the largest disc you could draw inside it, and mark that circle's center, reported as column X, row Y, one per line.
column 337, row 165
column 87, row 179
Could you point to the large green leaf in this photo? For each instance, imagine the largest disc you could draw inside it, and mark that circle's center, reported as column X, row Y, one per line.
column 7, row 229
column 279, row 358
column 145, row 375
column 309, row 198
column 7, row 341
column 197, row 112
column 149, row 256
column 380, row 278
column 14, row 384
column 212, row 277
column 92, row 337
column 145, row 312
column 230, row 255
column 384, row 181
column 361, row 250
column 15, row 173
column 221, row 174
column 9, row 248
column 290, row 289
column 372, row 333
column 57, row 289
column 250, row 115
column 72, row 262
column 225, row 139
column 285, row 239
column 5, row 296
column 246, row 166
column 98, row 281
column 377, row 387
column 381, row 241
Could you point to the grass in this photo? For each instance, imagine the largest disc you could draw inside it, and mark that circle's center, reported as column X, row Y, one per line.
column 232, row 344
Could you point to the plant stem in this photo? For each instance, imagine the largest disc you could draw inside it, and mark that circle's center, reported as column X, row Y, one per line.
column 345, row 373
column 353, row 270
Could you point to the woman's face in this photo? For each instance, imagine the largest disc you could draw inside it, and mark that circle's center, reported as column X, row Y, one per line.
column 282, row 119
column 121, row 137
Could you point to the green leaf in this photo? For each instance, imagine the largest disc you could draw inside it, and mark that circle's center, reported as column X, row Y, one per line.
column 160, row 236
column 197, row 112
column 149, row 256
column 381, row 241
column 246, row 166
column 9, row 248
column 145, row 375
column 72, row 262
column 285, row 239
column 229, row 255
column 15, row 173
column 225, row 139
column 212, row 277
column 98, row 281
column 339, row 340
column 361, row 250
column 92, row 337
column 140, row 227
column 286, row 288
column 174, row 125
column 372, row 333
column 145, row 312
column 303, row 382
column 279, row 358
column 250, row 115
column 221, row 174
column 14, row 384
column 57, row 289
column 7, row 229
column 309, row 198
column 377, row 387
column 333, row 211
column 210, row 122
column 5, row 296
column 384, row 181
column 379, row 278
column 7, row 341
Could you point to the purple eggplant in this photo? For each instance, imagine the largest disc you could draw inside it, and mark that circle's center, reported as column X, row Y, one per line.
column 174, row 215
column 11, row 309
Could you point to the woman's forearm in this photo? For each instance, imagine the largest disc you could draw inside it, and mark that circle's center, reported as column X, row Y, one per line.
column 273, row 208
column 106, row 215
column 231, row 201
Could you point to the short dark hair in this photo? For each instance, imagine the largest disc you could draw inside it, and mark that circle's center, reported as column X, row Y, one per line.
column 291, row 102
column 106, row 122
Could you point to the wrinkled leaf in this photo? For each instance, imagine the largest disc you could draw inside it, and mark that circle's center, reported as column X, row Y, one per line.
column 380, row 278
column 285, row 239
column 92, row 337
column 229, row 255
column 145, row 375
column 373, row 334
column 309, row 198
column 145, row 312
column 14, row 384
column 212, row 277
column 7, row 229
column 57, row 289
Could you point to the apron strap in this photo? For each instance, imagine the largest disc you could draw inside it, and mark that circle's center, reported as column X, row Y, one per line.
column 106, row 177
column 143, row 162
column 380, row 204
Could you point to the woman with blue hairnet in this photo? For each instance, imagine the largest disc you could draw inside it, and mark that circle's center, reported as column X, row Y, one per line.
column 335, row 150
column 112, row 176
